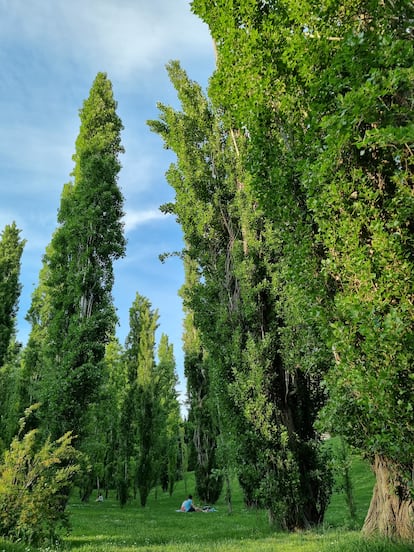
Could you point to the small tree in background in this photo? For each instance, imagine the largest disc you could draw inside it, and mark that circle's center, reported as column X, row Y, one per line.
column 139, row 458
column 11, row 249
column 170, row 415
column 102, row 434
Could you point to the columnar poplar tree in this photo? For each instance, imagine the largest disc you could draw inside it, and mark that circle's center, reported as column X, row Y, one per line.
column 170, row 418
column 109, row 409
column 141, row 412
column 11, row 249
column 360, row 187
column 202, row 418
column 77, row 278
column 101, row 443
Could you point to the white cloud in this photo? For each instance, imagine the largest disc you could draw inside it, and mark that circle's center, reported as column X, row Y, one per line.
column 124, row 36
column 133, row 219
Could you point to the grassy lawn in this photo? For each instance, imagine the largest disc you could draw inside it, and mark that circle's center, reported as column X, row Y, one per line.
column 105, row 527
column 363, row 481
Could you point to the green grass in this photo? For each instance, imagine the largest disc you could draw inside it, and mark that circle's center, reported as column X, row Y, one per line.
column 363, row 480
column 105, row 527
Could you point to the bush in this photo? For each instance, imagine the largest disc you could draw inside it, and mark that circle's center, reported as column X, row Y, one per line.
column 35, row 480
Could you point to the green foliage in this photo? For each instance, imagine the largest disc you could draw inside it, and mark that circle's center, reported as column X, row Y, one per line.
column 72, row 311
column 170, row 419
column 324, row 92
column 109, row 409
column 102, row 442
column 147, row 403
column 11, row 392
column 11, row 249
column 35, row 480
column 342, row 462
column 202, row 424
column 360, row 192
column 253, row 357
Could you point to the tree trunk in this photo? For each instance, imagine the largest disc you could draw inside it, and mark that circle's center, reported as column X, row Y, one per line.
column 228, row 494
column 391, row 512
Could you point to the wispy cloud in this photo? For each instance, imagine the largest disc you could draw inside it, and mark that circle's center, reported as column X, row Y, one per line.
column 140, row 168
column 133, row 219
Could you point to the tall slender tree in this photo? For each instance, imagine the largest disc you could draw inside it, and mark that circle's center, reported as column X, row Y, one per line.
column 202, row 418
column 77, row 277
column 110, row 408
column 11, row 249
column 170, row 418
column 360, row 187
column 141, row 416
column 102, row 440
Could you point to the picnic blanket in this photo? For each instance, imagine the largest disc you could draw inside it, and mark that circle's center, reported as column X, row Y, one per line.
column 205, row 509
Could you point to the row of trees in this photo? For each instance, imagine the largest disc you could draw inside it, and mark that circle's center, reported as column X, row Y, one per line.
column 252, row 384
column 294, row 190
column 73, row 384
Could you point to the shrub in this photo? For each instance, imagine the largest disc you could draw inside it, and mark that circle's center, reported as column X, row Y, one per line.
column 35, row 480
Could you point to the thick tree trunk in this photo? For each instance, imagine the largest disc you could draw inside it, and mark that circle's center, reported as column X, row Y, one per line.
column 391, row 512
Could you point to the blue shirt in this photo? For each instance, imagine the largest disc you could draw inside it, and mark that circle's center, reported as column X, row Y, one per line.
column 186, row 505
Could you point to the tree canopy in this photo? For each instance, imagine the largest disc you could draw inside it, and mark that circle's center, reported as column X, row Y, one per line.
column 324, row 92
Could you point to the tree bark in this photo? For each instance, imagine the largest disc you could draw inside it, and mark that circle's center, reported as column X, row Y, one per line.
column 391, row 512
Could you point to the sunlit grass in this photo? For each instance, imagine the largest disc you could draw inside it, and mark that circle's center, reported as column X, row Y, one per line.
column 105, row 527
column 158, row 524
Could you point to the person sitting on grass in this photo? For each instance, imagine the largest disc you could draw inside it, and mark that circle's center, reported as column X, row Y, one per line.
column 188, row 506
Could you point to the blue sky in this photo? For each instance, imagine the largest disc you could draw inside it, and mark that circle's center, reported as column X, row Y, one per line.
column 50, row 53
